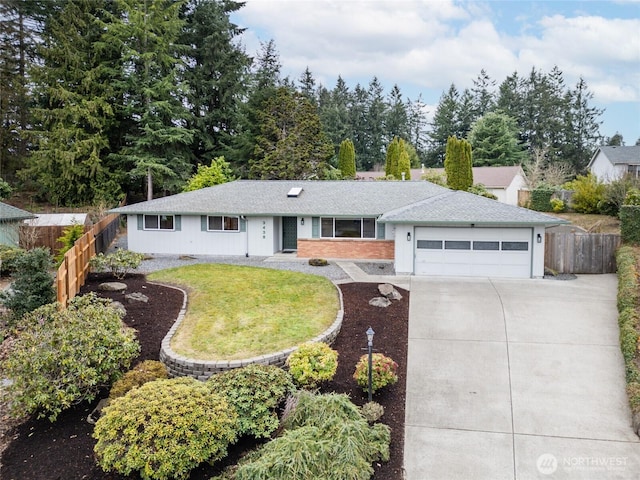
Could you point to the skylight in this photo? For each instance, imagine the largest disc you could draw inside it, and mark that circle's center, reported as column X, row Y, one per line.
column 294, row 192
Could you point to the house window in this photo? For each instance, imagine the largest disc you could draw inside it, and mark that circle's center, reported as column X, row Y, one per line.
column 348, row 227
column 430, row 244
column 221, row 223
column 486, row 245
column 634, row 170
column 159, row 222
column 457, row 245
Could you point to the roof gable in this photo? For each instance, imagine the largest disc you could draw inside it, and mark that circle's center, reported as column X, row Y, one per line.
column 490, row 177
column 622, row 155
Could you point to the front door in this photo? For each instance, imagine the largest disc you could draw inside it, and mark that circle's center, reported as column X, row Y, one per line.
column 289, row 233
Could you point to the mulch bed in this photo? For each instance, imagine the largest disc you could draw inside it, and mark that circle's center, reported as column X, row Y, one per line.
column 63, row 450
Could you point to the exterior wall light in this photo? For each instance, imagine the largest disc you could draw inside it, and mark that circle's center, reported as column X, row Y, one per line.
column 539, row 238
column 302, row 221
column 408, row 236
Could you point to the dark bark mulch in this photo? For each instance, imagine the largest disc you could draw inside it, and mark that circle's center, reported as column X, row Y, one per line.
column 40, row 450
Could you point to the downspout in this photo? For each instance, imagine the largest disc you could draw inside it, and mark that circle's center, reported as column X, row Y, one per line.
column 246, row 236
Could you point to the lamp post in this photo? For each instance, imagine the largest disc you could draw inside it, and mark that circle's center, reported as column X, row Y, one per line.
column 370, row 334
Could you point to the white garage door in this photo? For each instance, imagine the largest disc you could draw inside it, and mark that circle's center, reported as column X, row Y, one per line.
column 486, row 252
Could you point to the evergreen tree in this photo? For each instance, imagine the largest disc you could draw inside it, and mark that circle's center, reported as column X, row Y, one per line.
column 457, row 164
column 615, row 141
column 443, row 126
column 158, row 140
column 73, row 89
column 216, row 72
column 395, row 148
column 417, row 124
column 374, row 126
column 334, row 112
column 347, row 160
column 404, row 165
column 215, row 174
column 308, row 86
column 494, row 139
column 291, row 144
column 511, row 100
column 483, row 96
column 358, row 117
column 396, row 121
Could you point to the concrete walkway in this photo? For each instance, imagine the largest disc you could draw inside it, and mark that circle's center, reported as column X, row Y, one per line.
column 516, row 379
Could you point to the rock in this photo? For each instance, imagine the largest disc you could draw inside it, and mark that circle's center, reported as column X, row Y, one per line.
column 119, row 307
column 318, row 262
column 186, row 257
column 95, row 414
column 112, row 287
column 382, row 302
column 136, row 297
column 389, row 291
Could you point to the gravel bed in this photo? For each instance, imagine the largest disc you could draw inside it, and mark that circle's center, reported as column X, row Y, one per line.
column 377, row 268
column 162, row 262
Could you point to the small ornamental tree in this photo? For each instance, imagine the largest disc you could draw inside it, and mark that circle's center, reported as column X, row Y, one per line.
column 394, row 150
column 218, row 172
column 120, row 263
column 164, row 429
column 68, row 239
column 32, row 283
column 347, row 160
column 457, row 164
column 312, row 363
column 61, row 357
column 404, row 166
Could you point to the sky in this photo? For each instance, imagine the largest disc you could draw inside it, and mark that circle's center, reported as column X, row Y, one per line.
column 425, row 46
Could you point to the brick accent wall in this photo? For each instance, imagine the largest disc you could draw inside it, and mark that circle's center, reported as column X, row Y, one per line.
column 346, row 248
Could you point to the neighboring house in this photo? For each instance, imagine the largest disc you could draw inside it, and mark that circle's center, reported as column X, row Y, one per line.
column 426, row 229
column 48, row 227
column 503, row 182
column 10, row 221
column 611, row 163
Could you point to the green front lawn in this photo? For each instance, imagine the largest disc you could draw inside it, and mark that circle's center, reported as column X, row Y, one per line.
column 239, row 312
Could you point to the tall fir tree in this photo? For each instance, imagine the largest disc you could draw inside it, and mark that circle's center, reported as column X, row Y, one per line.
column 334, row 112
column 494, row 140
column 216, row 71
column 396, row 121
column 157, row 145
column 308, row 86
column 457, row 164
column 374, row 126
column 444, row 125
column 347, row 160
column 483, row 95
column 291, row 144
column 358, row 119
column 74, row 93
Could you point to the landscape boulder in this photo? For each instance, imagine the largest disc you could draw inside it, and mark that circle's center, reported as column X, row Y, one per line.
column 387, row 290
column 136, row 297
column 382, row 302
column 112, row 287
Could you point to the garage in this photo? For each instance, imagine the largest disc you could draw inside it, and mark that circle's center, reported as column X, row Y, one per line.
column 491, row 252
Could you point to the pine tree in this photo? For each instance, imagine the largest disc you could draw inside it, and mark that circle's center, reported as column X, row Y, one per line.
column 443, row 126
column 374, row 126
column 334, row 112
column 396, row 121
column 483, row 96
column 457, row 164
column 157, row 144
column 308, row 86
column 358, row 119
column 494, row 139
column 347, row 160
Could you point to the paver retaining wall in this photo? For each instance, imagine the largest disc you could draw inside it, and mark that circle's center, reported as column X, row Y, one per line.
column 181, row 366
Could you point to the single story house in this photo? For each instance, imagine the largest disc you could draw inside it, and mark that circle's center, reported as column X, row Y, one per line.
column 611, row 163
column 11, row 219
column 426, row 229
column 503, row 182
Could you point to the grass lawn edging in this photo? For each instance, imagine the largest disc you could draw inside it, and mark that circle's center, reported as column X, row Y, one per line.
column 181, row 366
column 629, row 323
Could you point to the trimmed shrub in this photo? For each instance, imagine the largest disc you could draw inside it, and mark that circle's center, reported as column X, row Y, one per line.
column 32, row 283
column 588, row 192
column 615, row 194
column 326, row 436
column 59, row 359
column 120, row 263
column 372, row 411
column 8, row 257
column 312, row 363
column 255, row 391
column 457, row 164
column 557, row 205
column 480, row 189
column 347, row 159
column 627, row 296
column 144, row 372
column 633, row 392
column 632, row 197
column 434, row 176
column 630, row 223
column 541, row 199
column 69, row 237
column 384, row 372
column 164, row 429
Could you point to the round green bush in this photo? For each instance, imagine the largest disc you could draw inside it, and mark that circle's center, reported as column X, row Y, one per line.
column 164, row 429
column 61, row 357
column 144, row 372
column 255, row 391
column 372, row 411
column 312, row 363
column 384, row 372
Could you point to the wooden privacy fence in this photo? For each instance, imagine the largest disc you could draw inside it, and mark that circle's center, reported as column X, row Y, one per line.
column 577, row 252
column 74, row 269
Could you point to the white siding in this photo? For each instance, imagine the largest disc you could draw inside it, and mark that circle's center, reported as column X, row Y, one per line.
column 604, row 170
column 511, row 194
column 403, row 248
column 261, row 234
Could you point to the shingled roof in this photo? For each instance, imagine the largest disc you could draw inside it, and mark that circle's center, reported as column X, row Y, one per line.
column 622, row 155
column 11, row 213
column 393, row 202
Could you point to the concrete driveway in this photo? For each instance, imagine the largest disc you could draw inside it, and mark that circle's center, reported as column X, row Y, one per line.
column 516, row 379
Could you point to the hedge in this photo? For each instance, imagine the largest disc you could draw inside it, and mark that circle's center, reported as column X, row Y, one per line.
column 630, row 223
column 541, row 199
